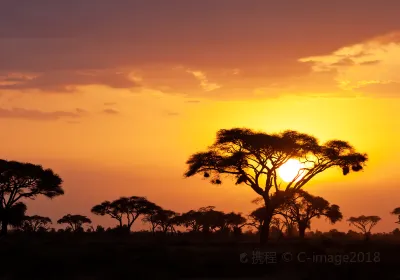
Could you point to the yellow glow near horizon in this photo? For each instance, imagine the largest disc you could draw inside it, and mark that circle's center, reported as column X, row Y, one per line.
column 289, row 170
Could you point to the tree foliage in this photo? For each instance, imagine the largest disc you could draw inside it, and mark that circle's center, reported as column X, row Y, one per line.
column 364, row 223
column 25, row 180
column 396, row 211
column 162, row 219
column 125, row 208
column 35, row 223
column 75, row 222
column 253, row 158
column 207, row 219
column 302, row 207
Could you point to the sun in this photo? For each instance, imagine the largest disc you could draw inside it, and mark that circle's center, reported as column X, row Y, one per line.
column 289, row 170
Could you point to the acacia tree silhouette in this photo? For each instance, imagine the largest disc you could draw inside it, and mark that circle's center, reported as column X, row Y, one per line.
column 35, row 223
column 279, row 225
column 257, row 217
column 253, row 158
column 160, row 218
column 191, row 220
column 235, row 222
column 207, row 219
column 303, row 207
column 24, row 180
column 129, row 207
column 74, row 221
column 396, row 211
column 365, row 224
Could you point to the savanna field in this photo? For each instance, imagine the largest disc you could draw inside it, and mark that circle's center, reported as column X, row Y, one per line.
column 143, row 256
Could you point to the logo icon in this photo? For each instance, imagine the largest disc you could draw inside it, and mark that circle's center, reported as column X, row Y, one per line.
column 244, row 258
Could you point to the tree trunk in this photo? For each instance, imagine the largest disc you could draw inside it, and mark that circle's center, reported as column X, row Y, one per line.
column 302, row 231
column 367, row 236
column 269, row 211
column 264, row 233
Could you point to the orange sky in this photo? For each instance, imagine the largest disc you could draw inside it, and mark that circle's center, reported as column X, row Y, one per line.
column 116, row 101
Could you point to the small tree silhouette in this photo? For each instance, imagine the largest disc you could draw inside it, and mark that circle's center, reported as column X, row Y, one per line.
column 129, row 208
column 257, row 217
column 152, row 217
column 302, row 207
column 278, row 226
column 396, row 211
column 253, row 158
column 207, row 220
column 235, row 222
column 191, row 220
column 24, row 180
column 210, row 219
column 163, row 219
column 75, row 222
column 35, row 223
column 365, row 224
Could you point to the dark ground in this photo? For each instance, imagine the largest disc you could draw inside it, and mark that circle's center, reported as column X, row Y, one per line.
column 94, row 256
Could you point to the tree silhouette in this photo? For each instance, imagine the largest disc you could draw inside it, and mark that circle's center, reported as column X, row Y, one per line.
column 302, row 207
column 108, row 208
column 24, row 180
column 211, row 220
column 257, row 217
column 396, row 211
column 207, row 219
column 160, row 218
column 100, row 229
column 253, row 158
column 129, row 208
column 279, row 226
column 35, row 223
column 235, row 222
column 191, row 220
column 152, row 217
column 364, row 223
column 75, row 222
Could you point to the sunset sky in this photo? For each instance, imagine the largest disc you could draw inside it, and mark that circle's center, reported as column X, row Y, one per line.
column 114, row 96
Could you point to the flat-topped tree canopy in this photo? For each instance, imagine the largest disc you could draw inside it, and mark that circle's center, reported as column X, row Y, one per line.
column 27, row 180
column 20, row 180
column 254, row 158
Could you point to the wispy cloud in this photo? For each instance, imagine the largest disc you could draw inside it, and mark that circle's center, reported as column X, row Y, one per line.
column 193, row 101
column 32, row 114
column 364, row 67
column 110, row 103
column 204, row 82
column 65, row 81
column 171, row 113
column 110, row 111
